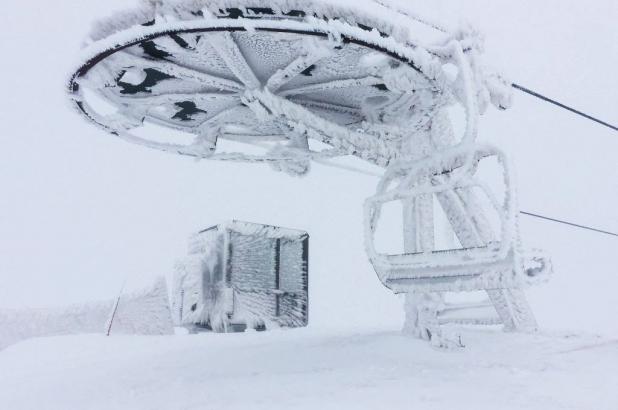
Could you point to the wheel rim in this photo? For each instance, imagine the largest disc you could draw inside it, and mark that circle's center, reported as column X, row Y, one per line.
column 194, row 80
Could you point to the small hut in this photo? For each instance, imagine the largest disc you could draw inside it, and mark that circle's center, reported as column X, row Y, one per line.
column 242, row 275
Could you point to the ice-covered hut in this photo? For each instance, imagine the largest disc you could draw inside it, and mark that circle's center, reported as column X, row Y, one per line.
column 241, row 275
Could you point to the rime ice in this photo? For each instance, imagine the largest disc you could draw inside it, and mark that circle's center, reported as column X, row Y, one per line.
column 243, row 275
column 258, row 82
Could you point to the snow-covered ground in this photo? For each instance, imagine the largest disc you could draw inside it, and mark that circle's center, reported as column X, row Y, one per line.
column 309, row 369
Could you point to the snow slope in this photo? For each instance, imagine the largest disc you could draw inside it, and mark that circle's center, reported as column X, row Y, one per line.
column 309, row 369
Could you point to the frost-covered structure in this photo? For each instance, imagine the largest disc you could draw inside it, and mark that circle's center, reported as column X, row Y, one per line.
column 141, row 312
column 243, row 275
column 286, row 82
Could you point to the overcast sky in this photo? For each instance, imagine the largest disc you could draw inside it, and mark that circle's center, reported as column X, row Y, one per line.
column 81, row 210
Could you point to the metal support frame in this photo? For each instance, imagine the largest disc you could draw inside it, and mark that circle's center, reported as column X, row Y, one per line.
column 501, row 276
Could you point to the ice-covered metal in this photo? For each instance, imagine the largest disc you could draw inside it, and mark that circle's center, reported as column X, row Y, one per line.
column 243, row 275
column 263, row 81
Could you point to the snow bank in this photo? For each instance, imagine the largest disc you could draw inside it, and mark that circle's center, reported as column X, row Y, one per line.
column 145, row 312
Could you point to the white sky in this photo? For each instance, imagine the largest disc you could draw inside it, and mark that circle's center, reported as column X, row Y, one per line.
column 80, row 210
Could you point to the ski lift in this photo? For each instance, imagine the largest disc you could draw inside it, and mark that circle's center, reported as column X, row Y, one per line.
column 288, row 82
